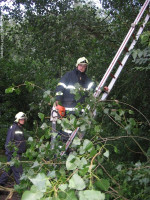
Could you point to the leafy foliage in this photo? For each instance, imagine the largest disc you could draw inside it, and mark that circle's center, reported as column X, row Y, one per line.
column 41, row 43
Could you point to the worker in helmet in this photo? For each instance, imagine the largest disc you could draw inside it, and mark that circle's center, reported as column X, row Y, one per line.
column 68, row 82
column 15, row 138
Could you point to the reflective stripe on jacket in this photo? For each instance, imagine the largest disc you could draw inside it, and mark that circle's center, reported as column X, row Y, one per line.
column 68, row 83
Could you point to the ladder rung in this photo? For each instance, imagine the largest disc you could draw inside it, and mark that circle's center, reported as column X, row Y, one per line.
column 112, row 75
column 119, row 62
column 133, row 35
column 126, row 49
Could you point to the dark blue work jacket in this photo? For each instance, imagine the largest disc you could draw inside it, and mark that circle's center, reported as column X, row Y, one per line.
column 15, row 136
column 67, row 84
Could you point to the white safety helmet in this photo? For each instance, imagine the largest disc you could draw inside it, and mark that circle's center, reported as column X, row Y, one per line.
column 82, row 60
column 20, row 115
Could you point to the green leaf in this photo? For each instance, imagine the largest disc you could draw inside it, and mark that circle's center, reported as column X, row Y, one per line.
column 46, row 94
column 93, row 152
column 61, row 195
column 106, row 154
column 83, row 171
column 28, row 195
column 52, row 174
column 83, row 127
column 30, row 139
column 17, row 91
column 115, row 149
column 117, row 117
column 76, row 182
column 44, row 126
column 119, row 167
column 82, row 163
column 76, row 141
column 9, row 90
column 106, row 111
column 134, row 54
column 97, row 129
column 91, row 195
column 36, row 164
column 103, row 184
column 71, row 195
column 41, row 116
column 72, row 162
column 30, row 86
column 63, row 187
column 41, row 181
column 87, row 145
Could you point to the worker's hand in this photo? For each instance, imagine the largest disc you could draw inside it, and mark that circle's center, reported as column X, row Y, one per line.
column 56, row 103
column 106, row 89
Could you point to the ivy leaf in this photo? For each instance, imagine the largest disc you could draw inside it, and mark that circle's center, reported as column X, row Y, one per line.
column 9, row 90
column 41, row 116
column 76, row 182
column 91, row 195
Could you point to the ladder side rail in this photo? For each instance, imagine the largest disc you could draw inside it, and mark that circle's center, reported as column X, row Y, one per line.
column 141, row 11
column 104, row 96
column 53, row 137
column 126, row 39
column 70, row 140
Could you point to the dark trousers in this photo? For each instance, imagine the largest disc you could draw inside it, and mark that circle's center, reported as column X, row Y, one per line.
column 16, row 171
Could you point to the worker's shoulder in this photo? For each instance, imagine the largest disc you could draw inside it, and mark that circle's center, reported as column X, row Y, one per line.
column 70, row 73
column 13, row 126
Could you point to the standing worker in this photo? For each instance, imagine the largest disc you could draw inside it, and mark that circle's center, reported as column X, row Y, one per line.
column 64, row 95
column 15, row 136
